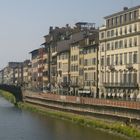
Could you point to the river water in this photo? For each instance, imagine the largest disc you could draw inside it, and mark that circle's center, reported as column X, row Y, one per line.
column 16, row 124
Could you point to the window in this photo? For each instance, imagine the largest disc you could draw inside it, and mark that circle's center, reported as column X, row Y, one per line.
column 108, row 33
column 112, row 59
column 112, row 21
column 130, row 16
column 135, row 77
column 116, row 59
column 80, row 61
column 121, row 77
column 125, row 58
column 116, row 32
column 125, row 17
column 129, row 77
column 135, row 27
column 130, row 57
column 125, row 77
column 86, row 76
column 125, row 30
column 130, row 42
column 102, row 35
column 125, row 43
column 116, row 45
column 102, row 48
column 112, row 77
column 108, row 60
column 121, row 60
column 135, row 57
column 71, row 58
column 108, row 46
column 81, row 71
column 112, row 33
column 116, row 77
column 120, row 44
column 76, row 67
column 93, row 61
column 85, row 62
column 135, row 41
column 108, row 77
column 130, row 28
column 59, row 65
column 121, row 19
column 120, row 31
column 102, row 77
column 116, row 20
column 102, row 60
column 112, row 45
column 135, row 14
column 108, row 23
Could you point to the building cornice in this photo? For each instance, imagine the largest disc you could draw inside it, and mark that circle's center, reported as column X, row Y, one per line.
column 124, row 24
column 121, row 12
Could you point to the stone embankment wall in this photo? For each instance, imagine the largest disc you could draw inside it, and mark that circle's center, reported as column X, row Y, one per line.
column 128, row 111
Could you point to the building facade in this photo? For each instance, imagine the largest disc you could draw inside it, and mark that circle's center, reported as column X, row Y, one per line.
column 39, row 75
column 119, row 55
column 27, row 74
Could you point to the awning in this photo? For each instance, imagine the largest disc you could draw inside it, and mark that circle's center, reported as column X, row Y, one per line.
column 138, row 97
column 132, row 95
column 113, row 94
column 109, row 94
column 80, row 91
column 83, row 91
column 118, row 94
column 121, row 94
column 87, row 92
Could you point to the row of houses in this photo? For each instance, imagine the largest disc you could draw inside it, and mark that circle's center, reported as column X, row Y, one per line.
column 85, row 60
column 17, row 73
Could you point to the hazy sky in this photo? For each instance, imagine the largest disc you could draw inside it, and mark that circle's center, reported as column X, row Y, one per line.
column 23, row 23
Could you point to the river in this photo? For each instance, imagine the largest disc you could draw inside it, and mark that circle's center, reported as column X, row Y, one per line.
column 16, row 124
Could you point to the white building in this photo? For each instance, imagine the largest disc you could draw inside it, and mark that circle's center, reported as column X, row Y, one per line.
column 119, row 55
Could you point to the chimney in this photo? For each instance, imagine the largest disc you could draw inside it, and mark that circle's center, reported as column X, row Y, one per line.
column 51, row 28
column 125, row 8
column 67, row 25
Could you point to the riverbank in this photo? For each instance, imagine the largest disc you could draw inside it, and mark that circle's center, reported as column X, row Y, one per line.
column 115, row 127
column 8, row 96
column 110, row 127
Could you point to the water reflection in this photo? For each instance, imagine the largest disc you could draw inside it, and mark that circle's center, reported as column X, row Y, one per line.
column 16, row 124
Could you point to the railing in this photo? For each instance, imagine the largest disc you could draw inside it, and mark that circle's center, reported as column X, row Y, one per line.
column 125, row 85
column 129, row 66
column 111, row 67
column 88, row 101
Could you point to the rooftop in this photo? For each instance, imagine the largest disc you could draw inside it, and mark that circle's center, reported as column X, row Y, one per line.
column 126, row 9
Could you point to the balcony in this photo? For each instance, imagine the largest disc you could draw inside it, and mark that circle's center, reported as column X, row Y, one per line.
column 111, row 67
column 121, row 85
column 129, row 66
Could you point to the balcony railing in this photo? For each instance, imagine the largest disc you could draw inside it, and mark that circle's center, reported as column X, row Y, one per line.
column 125, row 85
column 129, row 66
column 111, row 67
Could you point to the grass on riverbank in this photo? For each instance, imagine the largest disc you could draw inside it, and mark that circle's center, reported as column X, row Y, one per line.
column 115, row 127
column 8, row 96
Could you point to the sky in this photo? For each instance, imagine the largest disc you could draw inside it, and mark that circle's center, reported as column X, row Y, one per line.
column 23, row 23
